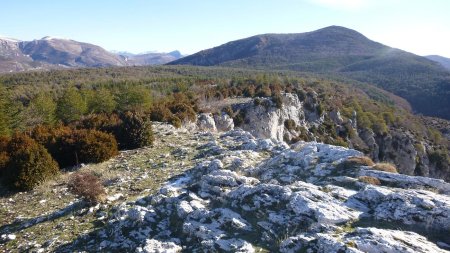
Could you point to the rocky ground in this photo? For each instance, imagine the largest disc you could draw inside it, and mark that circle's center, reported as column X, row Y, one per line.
column 230, row 192
column 254, row 195
column 49, row 216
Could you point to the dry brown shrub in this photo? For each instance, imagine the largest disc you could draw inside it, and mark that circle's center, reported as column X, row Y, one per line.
column 361, row 161
column 369, row 180
column 387, row 167
column 87, row 186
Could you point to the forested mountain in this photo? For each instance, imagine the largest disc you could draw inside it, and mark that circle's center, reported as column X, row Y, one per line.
column 341, row 52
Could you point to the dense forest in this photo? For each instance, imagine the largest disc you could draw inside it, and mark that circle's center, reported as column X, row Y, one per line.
column 58, row 119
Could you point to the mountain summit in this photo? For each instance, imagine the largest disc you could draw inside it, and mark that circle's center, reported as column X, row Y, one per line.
column 343, row 53
column 69, row 53
column 283, row 50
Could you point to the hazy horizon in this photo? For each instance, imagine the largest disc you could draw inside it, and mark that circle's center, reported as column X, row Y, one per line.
column 140, row 26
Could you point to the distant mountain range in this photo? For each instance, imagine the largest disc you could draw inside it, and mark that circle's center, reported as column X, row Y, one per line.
column 151, row 58
column 344, row 53
column 52, row 53
column 445, row 62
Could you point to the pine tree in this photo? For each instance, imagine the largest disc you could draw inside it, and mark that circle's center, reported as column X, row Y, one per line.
column 101, row 101
column 4, row 117
column 42, row 110
column 136, row 98
column 71, row 106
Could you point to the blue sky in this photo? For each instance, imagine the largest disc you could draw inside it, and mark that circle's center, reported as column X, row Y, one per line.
column 418, row 26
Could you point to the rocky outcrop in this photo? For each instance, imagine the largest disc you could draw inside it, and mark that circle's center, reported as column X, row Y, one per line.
column 247, row 194
column 205, row 122
column 223, row 122
column 299, row 120
column 263, row 119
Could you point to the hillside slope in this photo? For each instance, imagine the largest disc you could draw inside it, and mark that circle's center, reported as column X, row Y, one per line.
column 342, row 52
column 445, row 62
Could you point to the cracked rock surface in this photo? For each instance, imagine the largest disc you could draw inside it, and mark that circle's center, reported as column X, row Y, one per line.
column 244, row 194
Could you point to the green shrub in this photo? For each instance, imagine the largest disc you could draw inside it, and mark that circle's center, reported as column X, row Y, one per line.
column 134, row 98
column 71, row 106
column 228, row 110
column 239, row 118
column 101, row 100
column 130, row 129
column 29, row 165
column 135, row 131
column 277, row 100
column 108, row 123
column 320, row 109
column 175, row 121
column 183, row 111
column 440, row 158
column 71, row 147
column 301, row 94
column 4, row 156
column 92, row 146
column 263, row 91
column 249, row 91
column 160, row 112
column 290, row 124
column 338, row 141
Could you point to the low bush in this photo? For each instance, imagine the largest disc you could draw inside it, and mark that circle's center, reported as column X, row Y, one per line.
column 93, row 146
column 160, row 113
column 360, row 161
column 71, row 147
column 29, row 165
column 369, row 180
column 4, row 156
column 87, row 186
column 239, row 118
column 277, row 100
column 290, row 124
column 135, row 131
column 387, row 167
column 183, row 111
column 102, row 122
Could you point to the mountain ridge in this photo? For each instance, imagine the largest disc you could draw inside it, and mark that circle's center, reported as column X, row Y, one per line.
column 444, row 61
column 51, row 53
column 342, row 52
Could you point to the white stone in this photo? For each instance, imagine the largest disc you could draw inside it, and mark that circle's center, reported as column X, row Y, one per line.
column 155, row 246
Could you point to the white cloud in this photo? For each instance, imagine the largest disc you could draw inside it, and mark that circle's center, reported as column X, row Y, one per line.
column 342, row 4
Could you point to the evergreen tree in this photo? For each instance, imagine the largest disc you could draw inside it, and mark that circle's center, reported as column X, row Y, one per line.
column 4, row 117
column 101, row 101
column 42, row 110
column 136, row 98
column 71, row 106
